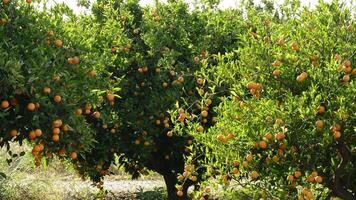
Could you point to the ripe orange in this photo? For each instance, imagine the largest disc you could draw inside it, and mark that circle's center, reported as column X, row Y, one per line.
column 56, row 78
column 318, row 179
column 194, row 178
column 181, row 117
column 32, row 135
column 346, row 78
column 78, row 111
column 347, row 63
column 28, row 1
column 235, row 170
column 279, row 136
column 236, row 163
column 337, row 135
column 319, row 124
column 254, row 175
column 96, row 114
column 295, row 46
column 38, row 132
column 200, row 81
column 268, row 136
column 56, row 131
column 249, row 157
column 47, row 90
column 169, row 134
column 180, row 193
column 73, row 155
column 31, row 107
column 65, row 128
column 5, row 104
column 321, row 109
column 50, row 33
column 181, row 79
column 277, row 63
column 57, row 99
column 110, row 97
column 262, row 144
column 279, row 122
column 57, row 123
column 58, row 43
column 92, row 73
column 13, row 133
column 200, row 129
column 204, row 113
column 6, row 1
column 275, row 159
column 276, row 73
column 62, row 152
column 297, row 174
column 281, row 42
column 290, row 178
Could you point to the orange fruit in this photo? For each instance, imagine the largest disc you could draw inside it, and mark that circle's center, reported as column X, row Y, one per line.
column 181, row 79
column 58, row 43
column 13, row 133
column 207, row 190
column 56, row 78
column 165, row 84
column 204, row 113
column 281, row 42
column 318, row 179
column 321, row 109
column 57, row 99
column 78, row 111
column 235, row 170
column 254, row 175
column 6, row 1
column 279, row 122
column 62, row 152
column 275, row 158
column 279, row 136
column 5, row 104
column 268, row 136
column 295, row 46
column 73, row 155
column 337, row 135
column 200, row 129
column 32, row 135
column 353, row 71
column 31, row 107
column 96, row 114
column 50, row 33
column 65, row 128
column 92, row 73
column 57, row 123
column 181, row 117
column 277, row 63
column 180, row 193
column 28, row 1
column 319, row 124
column 346, row 78
column 47, row 90
column 262, row 144
column 297, row 174
column 110, row 97
column 76, row 60
column 38, row 132
column 56, row 131
column 200, row 81
column 347, row 63
column 230, row 136
column 169, row 134
column 290, row 178
column 249, row 157
column 144, row 69
column 276, row 73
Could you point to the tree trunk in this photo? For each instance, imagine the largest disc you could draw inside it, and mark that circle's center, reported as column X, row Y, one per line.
column 171, row 181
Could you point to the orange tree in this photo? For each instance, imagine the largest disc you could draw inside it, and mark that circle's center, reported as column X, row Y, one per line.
column 287, row 128
column 51, row 82
column 158, row 51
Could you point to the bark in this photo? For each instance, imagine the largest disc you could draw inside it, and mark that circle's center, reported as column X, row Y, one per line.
column 337, row 185
column 171, row 181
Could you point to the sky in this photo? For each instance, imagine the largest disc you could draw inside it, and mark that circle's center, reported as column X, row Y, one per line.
column 223, row 4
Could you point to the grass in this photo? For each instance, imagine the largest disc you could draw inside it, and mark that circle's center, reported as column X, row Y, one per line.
column 58, row 181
